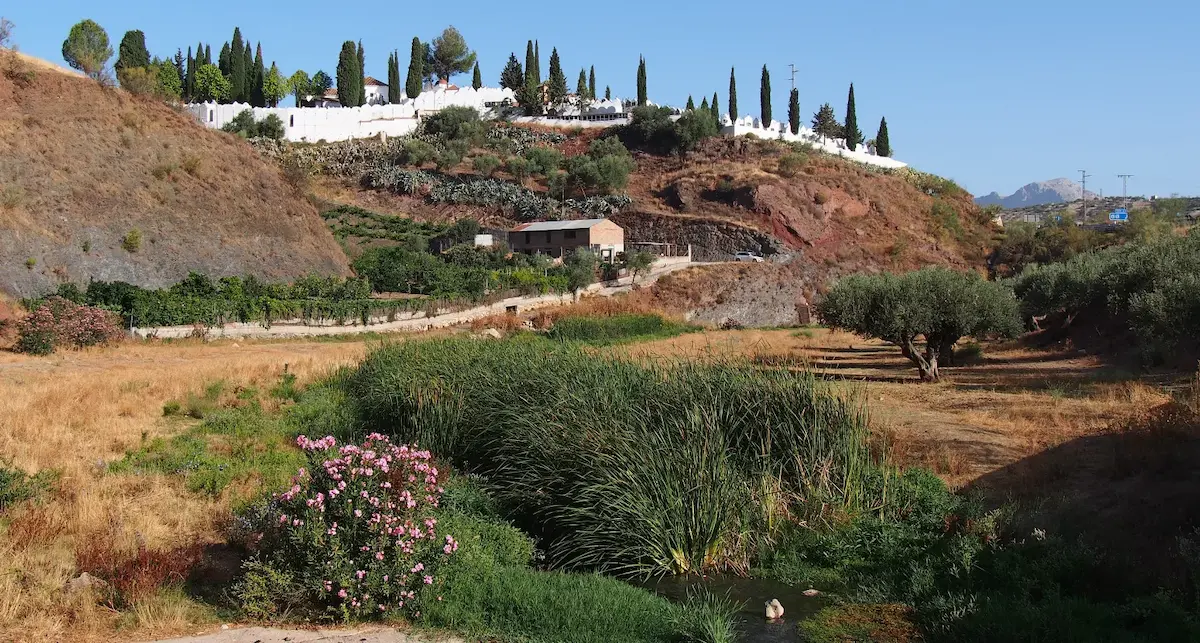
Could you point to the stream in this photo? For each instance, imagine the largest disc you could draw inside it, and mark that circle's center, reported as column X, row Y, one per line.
column 751, row 594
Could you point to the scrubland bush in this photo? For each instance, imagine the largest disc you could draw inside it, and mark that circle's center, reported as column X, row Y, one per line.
column 58, row 323
column 485, row 164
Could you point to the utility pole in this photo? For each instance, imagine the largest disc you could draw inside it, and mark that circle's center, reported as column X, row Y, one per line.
column 793, row 66
column 1083, row 192
column 1125, row 190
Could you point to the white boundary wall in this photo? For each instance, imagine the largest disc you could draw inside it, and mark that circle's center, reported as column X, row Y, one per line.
column 747, row 125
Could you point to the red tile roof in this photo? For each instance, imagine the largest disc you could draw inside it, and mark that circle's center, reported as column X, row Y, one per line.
column 372, row 81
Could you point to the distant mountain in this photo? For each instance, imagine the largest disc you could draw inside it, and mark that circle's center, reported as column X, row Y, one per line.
column 1038, row 193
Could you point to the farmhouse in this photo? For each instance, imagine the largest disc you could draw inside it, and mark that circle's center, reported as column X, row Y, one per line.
column 561, row 238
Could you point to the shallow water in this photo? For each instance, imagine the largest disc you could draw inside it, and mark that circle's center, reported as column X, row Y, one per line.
column 751, row 594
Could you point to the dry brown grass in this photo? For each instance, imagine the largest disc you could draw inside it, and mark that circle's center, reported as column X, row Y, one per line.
column 75, row 411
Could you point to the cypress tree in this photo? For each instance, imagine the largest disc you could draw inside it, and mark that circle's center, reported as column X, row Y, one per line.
column 189, row 77
column 477, row 80
column 208, row 54
column 237, row 67
column 513, row 76
column 557, row 82
column 883, row 147
column 764, row 97
column 416, row 69
column 703, row 104
column 180, row 71
column 223, row 59
column 607, row 92
column 581, row 86
column 592, row 83
column 691, row 104
column 642, row 97
column 132, row 52
column 248, row 63
column 348, row 75
column 362, row 76
column 733, row 113
column 537, row 62
column 794, row 111
column 530, row 65
column 260, row 74
column 715, row 106
column 852, row 133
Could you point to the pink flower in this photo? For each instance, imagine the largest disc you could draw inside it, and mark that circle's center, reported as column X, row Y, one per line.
column 429, row 580
column 341, row 593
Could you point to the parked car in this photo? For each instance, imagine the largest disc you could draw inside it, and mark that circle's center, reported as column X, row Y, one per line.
column 747, row 256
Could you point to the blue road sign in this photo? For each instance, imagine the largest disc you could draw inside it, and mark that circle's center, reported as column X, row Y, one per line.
column 1120, row 214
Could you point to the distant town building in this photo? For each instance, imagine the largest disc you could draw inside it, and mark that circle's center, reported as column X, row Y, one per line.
column 561, row 238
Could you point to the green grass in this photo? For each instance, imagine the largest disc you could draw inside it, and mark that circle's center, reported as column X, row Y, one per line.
column 604, row 331
column 16, row 486
column 620, row 466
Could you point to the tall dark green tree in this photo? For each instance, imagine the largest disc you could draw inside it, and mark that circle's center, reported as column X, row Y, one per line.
column 537, row 61
column 416, row 69
column 642, row 96
column 764, row 97
column 362, row 75
column 513, row 76
column 794, row 111
column 393, row 80
column 607, row 92
column 733, row 112
column 477, row 78
column 715, row 106
column 180, row 70
column 248, row 63
column 581, row 86
column 189, row 77
column 851, row 132
column 592, row 83
column 691, row 104
column 556, row 84
column 223, row 59
column 883, row 146
column 825, row 124
column 237, row 67
column 703, row 104
column 257, row 97
column 348, row 75
column 531, row 70
column 132, row 52
column 208, row 55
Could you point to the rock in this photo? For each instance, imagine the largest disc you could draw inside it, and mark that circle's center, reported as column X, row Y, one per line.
column 492, row 333
column 811, row 592
column 83, row 583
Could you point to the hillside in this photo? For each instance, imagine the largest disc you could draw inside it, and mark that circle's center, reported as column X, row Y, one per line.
column 85, row 171
column 823, row 218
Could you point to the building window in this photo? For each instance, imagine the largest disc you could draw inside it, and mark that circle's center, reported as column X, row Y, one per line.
column 570, row 234
column 210, row 116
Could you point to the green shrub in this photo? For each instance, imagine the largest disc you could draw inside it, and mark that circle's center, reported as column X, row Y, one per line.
column 132, row 241
column 485, row 165
column 519, row 167
column 945, row 218
column 791, row 163
column 16, row 486
column 543, row 160
column 705, row 618
column 454, row 124
column 448, row 160
column 244, row 125
column 30, row 263
column 11, row 196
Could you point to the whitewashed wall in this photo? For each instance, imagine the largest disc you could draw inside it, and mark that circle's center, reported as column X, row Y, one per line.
column 747, row 125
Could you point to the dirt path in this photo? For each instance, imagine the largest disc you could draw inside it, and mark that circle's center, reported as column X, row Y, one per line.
column 272, row 635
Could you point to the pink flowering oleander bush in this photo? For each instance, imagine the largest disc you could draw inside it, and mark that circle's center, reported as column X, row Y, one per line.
column 61, row 323
column 355, row 537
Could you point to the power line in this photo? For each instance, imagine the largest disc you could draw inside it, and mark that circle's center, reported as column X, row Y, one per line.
column 793, row 66
column 1125, row 190
column 1084, row 177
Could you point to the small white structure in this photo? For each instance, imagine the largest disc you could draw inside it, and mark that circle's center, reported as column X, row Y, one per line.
column 750, row 126
column 376, row 91
column 484, row 240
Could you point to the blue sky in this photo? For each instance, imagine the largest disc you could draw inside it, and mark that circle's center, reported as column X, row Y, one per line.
column 991, row 94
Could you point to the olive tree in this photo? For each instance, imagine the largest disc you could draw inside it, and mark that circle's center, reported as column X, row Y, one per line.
column 937, row 304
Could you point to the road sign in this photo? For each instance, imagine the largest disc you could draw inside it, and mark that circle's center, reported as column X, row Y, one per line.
column 1120, row 214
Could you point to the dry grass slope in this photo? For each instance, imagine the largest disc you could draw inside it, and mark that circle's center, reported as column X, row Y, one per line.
column 81, row 167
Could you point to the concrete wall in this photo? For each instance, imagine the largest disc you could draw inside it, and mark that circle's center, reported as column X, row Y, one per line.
column 746, row 126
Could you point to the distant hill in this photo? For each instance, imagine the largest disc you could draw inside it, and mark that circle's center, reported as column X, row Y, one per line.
column 1037, row 193
column 82, row 167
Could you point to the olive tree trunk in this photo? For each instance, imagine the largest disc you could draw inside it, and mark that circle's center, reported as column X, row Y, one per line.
column 927, row 362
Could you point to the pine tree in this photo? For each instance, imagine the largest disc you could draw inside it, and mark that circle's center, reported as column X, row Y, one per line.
column 132, row 51
column 237, row 67
column 513, row 76
column 416, row 69
column 223, row 59
column 794, row 111
column 825, row 124
column 733, row 112
column 477, row 80
column 691, row 104
column 642, row 97
column 394, row 77
column 557, row 82
column 537, row 62
column 715, row 106
column 883, row 146
column 257, row 99
column 362, row 76
column 851, row 132
column 180, row 71
column 348, row 75
column 248, row 63
column 764, row 97
column 592, row 83
column 189, row 77
column 531, row 65
column 703, row 104
column 581, row 87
